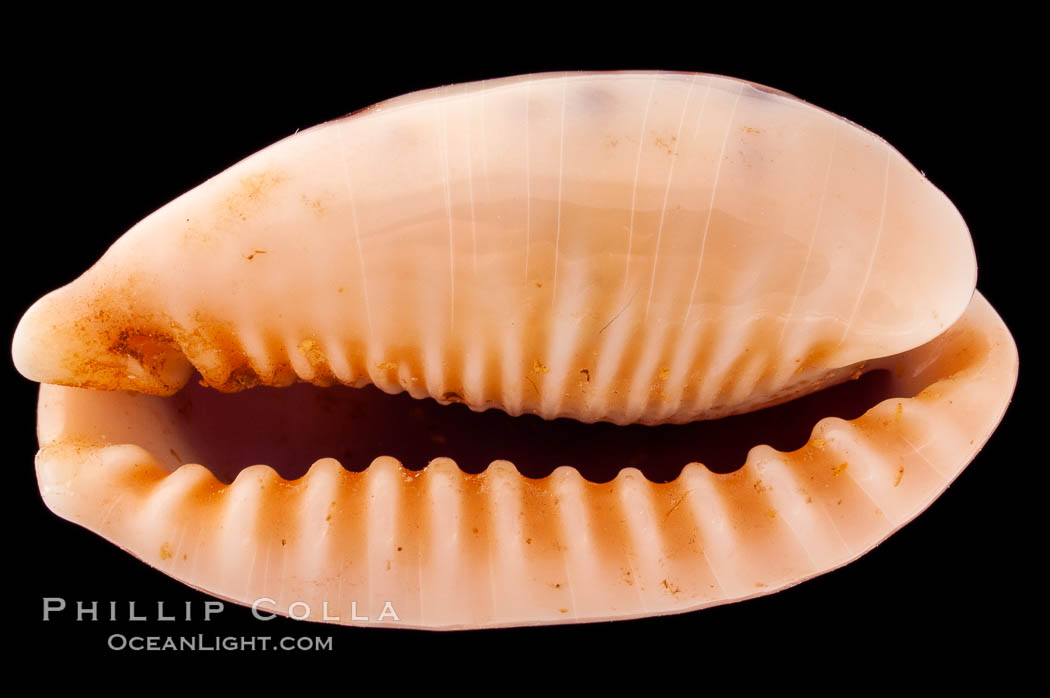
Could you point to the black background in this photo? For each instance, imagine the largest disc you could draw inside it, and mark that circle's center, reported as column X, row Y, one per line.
column 112, row 129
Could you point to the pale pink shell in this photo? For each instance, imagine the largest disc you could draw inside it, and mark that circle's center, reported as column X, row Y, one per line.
column 629, row 247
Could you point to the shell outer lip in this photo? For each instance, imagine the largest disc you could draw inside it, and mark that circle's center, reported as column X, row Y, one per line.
column 950, row 400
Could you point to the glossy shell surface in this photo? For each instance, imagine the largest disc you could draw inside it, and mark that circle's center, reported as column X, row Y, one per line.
column 630, row 247
column 626, row 247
